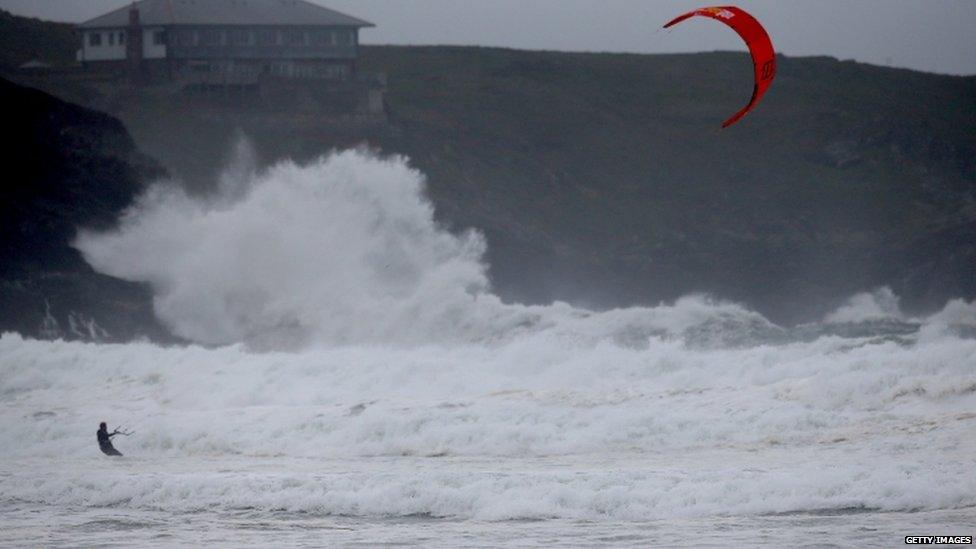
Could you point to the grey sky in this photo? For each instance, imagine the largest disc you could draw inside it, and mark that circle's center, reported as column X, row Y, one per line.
column 930, row 35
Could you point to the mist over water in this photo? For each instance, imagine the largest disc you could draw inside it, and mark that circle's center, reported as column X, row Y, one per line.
column 357, row 346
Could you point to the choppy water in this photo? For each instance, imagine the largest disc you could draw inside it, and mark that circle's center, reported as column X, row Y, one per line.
column 363, row 386
column 32, row 524
column 529, row 443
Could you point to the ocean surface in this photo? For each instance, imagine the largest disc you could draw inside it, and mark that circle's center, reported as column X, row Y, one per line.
column 353, row 381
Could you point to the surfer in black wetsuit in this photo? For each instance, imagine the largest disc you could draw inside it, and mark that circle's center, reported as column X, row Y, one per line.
column 105, row 440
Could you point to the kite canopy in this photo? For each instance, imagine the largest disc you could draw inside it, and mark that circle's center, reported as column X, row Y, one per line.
column 760, row 46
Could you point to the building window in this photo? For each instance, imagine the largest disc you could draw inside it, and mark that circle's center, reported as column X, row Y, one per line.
column 159, row 38
column 238, row 37
column 321, row 37
column 281, row 69
column 121, row 38
column 95, row 39
column 111, row 39
column 187, row 38
column 267, row 37
column 294, row 37
column 212, row 37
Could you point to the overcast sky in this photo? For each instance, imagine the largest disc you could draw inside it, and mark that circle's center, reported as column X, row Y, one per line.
column 930, row 35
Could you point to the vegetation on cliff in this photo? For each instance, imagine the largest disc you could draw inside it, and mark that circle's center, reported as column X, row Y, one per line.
column 24, row 39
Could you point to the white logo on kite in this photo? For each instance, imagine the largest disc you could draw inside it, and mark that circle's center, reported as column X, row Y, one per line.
column 718, row 12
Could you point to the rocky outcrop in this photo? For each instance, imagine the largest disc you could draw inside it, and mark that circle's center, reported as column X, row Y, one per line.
column 66, row 167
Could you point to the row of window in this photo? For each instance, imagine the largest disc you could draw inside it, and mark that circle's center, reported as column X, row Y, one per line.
column 236, row 37
column 95, row 38
column 264, row 37
column 111, row 38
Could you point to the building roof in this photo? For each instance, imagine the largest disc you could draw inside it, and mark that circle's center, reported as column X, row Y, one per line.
column 226, row 12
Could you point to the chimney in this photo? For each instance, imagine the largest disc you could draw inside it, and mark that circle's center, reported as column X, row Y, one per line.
column 133, row 46
column 134, row 15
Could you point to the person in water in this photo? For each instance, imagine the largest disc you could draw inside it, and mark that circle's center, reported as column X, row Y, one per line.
column 105, row 440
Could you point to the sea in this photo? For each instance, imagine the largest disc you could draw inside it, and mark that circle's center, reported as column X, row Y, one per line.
column 350, row 379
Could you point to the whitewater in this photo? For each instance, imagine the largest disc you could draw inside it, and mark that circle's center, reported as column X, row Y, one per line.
column 351, row 379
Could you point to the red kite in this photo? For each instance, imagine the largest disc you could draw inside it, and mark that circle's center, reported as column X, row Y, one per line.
column 760, row 46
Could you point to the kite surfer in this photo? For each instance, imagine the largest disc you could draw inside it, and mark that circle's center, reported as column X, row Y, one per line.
column 105, row 439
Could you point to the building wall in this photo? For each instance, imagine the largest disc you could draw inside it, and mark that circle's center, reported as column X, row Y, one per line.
column 154, row 43
column 233, row 55
column 103, row 45
column 263, row 43
column 109, row 44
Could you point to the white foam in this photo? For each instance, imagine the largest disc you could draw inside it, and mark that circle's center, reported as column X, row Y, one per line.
column 481, row 490
column 343, row 250
column 881, row 304
column 402, row 385
column 688, row 414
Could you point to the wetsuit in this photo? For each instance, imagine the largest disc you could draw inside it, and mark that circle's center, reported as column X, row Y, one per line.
column 105, row 443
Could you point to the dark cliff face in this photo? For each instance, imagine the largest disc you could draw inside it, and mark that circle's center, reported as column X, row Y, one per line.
column 24, row 39
column 605, row 177
column 65, row 167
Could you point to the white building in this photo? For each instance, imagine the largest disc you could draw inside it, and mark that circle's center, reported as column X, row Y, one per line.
column 223, row 41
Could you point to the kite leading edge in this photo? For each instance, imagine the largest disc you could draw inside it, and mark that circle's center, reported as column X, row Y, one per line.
column 760, row 47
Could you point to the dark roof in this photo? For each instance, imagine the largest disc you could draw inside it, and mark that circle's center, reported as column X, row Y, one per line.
column 227, row 12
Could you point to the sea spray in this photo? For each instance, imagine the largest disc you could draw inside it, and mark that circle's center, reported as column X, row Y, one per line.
column 343, row 250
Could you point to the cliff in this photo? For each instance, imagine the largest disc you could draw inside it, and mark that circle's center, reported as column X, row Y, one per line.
column 66, row 167
column 604, row 178
column 24, row 39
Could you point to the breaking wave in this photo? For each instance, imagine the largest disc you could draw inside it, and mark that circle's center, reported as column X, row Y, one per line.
column 358, row 364
column 543, row 425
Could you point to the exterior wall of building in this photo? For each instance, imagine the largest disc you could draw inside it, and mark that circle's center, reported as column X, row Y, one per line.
column 214, row 56
column 109, row 44
column 281, row 71
column 224, row 43
column 154, row 43
column 103, row 45
column 263, row 43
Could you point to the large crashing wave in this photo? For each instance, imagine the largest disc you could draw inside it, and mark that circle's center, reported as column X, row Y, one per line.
column 343, row 250
column 346, row 250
